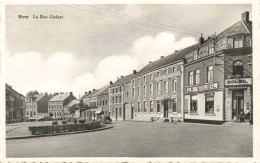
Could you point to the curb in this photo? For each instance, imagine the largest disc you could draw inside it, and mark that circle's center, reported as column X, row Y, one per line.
column 57, row 134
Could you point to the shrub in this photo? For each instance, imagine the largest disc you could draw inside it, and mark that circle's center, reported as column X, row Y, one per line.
column 82, row 121
column 39, row 130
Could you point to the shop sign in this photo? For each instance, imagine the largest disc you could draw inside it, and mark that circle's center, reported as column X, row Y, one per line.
column 201, row 88
column 242, row 81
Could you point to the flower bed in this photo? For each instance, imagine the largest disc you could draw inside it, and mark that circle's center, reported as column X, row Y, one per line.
column 39, row 130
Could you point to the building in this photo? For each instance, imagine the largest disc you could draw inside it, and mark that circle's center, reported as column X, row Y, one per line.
column 218, row 75
column 103, row 98
column 88, row 105
column 57, row 103
column 37, row 106
column 120, row 106
column 157, row 88
column 15, row 105
column 67, row 113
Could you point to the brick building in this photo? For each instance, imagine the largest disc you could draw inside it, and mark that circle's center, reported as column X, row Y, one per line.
column 218, row 75
column 37, row 106
column 15, row 105
column 120, row 99
column 57, row 103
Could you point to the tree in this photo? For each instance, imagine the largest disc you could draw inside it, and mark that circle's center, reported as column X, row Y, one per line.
column 30, row 94
column 73, row 109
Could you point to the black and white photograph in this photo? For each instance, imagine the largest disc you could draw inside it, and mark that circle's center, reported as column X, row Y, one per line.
column 129, row 80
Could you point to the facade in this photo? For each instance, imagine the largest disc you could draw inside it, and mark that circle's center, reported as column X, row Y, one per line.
column 218, row 75
column 103, row 98
column 57, row 103
column 120, row 106
column 37, row 106
column 15, row 105
column 67, row 113
column 157, row 88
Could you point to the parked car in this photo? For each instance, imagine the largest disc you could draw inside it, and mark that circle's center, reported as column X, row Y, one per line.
column 106, row 119
column 55, row 122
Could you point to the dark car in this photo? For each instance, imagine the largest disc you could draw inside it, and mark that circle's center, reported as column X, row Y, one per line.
column 106, row 119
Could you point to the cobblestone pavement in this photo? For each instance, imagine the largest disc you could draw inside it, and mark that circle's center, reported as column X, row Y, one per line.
column 142, row 139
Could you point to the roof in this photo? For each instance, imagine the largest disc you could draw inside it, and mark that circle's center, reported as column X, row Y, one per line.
column 237, row 28
column 60, row 97
column 83, row 96
column 89, row 95
column 72, row 103
column 38, row 96
column 99, row 91
column 104, row 91
column 123, row 80
column 179, row 55
column 10, row 87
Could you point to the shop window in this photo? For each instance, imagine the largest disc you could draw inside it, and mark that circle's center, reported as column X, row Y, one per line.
column 151, row 106
column 197, row 77
column 174, row 106
column 158, row 106
column 209, row 74
column 138, row 106
column 145, row 110
column 194, row 104
column 238, row 67
column 191, row 78
column 238, row 43
column 209, row 105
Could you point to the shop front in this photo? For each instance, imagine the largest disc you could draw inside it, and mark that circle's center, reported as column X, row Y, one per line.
column 238, row 99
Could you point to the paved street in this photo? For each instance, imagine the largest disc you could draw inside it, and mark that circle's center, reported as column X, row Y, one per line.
column 141, row 139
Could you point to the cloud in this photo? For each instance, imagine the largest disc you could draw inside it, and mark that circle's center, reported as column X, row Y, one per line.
column 57, row 73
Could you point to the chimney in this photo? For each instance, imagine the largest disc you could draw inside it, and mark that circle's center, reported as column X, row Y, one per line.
column 134, row 72
column 71, row 93
column 162, row 56
column 89, row 92
column 122, row 76
column 110, row 83
column 86, row 92
column 176, row 51
column 201, row 39
column 245, row 16
column 150, row 61
column 94, row 90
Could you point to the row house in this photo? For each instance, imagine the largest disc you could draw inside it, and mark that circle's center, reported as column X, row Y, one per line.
column 218, row 75
column 57, row 103
column 103, row 98
column 120, row 101
column 15, row 105
column 157, row 88
column 37, row 106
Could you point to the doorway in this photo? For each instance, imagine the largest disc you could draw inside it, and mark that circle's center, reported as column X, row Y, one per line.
column 237, row 102
column 116, row 113
column 165, row 113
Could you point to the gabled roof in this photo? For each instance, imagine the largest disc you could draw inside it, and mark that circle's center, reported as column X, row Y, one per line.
column 99, row 91
column 38, row 96
column 90, row 94
column 75, row 101
column 104, row 90
column 123, row 80
column 60, row 97
column 83, row 96
column 177, row 56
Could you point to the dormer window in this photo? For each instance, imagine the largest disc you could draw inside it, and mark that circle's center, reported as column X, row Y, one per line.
column 211, row 50
column 195, row 56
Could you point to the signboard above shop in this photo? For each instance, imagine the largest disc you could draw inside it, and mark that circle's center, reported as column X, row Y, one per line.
column 242, row 81
column 202, row 88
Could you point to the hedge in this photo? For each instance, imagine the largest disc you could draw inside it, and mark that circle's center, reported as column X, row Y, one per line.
column 39, row 130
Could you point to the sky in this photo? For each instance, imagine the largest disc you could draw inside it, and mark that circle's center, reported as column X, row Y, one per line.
column 95, row 44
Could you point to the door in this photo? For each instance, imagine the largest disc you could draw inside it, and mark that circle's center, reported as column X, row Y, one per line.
column 116, row 113
column 127, row 112
column 238, row 103
column 165, row 113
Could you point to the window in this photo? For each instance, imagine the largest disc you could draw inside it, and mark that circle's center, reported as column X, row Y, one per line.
column 238, row 43
column 158, row 73
column 191, row 78
column 151, row 106
column 174, row 108
column 27, row 112
column 145, row 110
column 211, row 50
column 120, row 111
column 174, row 84
column 144, row 78
column 197, row 77
column 138, row 91
column 103, row 102
column 151, row 76
column 151, row 89
column 113, row 91
column 133, row 92
column 116, row 90
column 209, row 105
column 34, row 113
column 195, row 56
column 238, row 67
column 158, row 87
column 138, row 80
column 158, row 106
column 127, row 93
column 106, row 102
column 119, row 99
column 133, row 82
column 113, row 100
column 116, row 99
column 138, row 107
column 144, row 90
column 165, row 86
column 209, row 74
column 173, row 69
column 165, row 71
column 193, row 104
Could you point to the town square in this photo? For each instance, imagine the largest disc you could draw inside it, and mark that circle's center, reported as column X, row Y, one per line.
column 171, row 86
